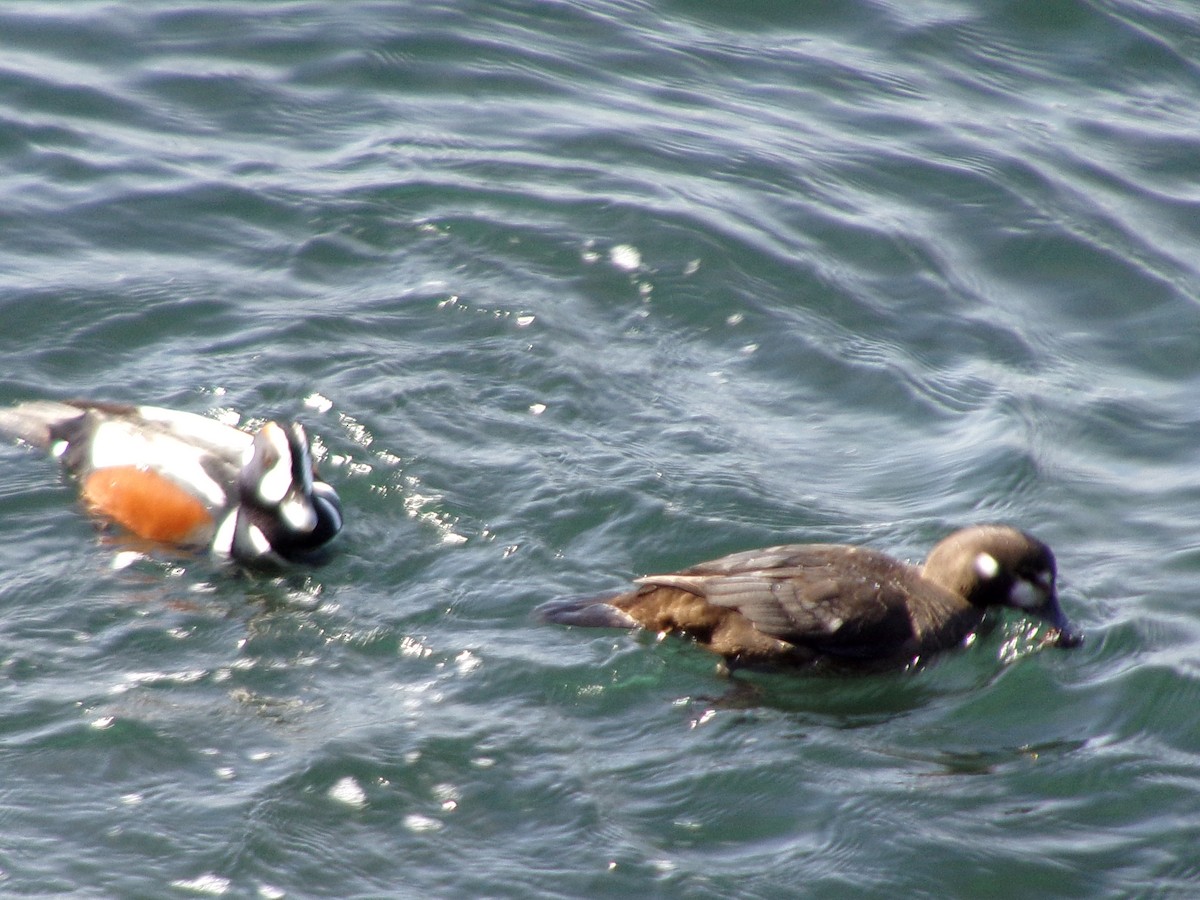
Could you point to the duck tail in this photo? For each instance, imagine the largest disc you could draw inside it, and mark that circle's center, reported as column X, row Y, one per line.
column 37, row 421
column 586, row 612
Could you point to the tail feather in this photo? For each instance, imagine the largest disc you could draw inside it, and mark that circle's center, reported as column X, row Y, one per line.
column 36, row 421
column 587, row 612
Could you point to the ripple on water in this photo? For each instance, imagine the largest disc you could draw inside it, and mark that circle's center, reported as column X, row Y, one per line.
column 567, row 294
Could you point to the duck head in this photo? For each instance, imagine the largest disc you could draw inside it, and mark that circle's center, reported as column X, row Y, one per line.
column 284, row 511
column 997, row 565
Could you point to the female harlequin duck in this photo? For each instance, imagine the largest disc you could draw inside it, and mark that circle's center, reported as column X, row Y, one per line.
column 183, row 479
column 801, row 604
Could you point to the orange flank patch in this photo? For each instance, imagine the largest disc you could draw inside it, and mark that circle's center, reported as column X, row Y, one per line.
column 147, row 504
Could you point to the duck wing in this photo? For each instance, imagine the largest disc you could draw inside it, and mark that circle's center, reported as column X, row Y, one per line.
column 200, row 454
column 836, row 599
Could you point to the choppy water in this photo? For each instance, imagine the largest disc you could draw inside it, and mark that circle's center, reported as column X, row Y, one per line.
column 572, row 292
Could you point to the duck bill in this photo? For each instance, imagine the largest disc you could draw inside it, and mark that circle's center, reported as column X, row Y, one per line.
column 1067, row 636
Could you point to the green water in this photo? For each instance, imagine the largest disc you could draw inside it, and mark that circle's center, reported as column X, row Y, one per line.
column 570, row 293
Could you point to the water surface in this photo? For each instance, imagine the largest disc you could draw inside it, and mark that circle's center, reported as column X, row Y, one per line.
column 571, row 293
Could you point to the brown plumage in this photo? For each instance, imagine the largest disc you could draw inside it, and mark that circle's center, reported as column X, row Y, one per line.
column 800, row 604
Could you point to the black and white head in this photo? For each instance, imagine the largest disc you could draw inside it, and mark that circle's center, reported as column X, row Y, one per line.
column 997, row 565
column 284, row 512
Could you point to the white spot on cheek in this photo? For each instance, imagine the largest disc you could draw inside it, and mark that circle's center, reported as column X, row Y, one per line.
column 298, row 514
column 987, row 566
column 1027, row 595
column 274, row 485
column 271, row 443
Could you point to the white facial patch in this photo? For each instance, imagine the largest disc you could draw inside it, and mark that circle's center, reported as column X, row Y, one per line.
column 987, row 566
column 1027, row 595
column 298, row 514
column 277, row 480
column 274, row 484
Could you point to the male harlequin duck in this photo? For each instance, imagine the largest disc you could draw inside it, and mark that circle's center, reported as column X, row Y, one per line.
column 180, row 478
column 801, row 604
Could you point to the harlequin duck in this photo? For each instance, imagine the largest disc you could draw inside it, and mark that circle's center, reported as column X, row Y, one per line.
column 184, row 479
column 845, row 606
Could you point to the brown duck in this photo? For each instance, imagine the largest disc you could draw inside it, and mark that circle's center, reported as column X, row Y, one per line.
column 800, row 604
